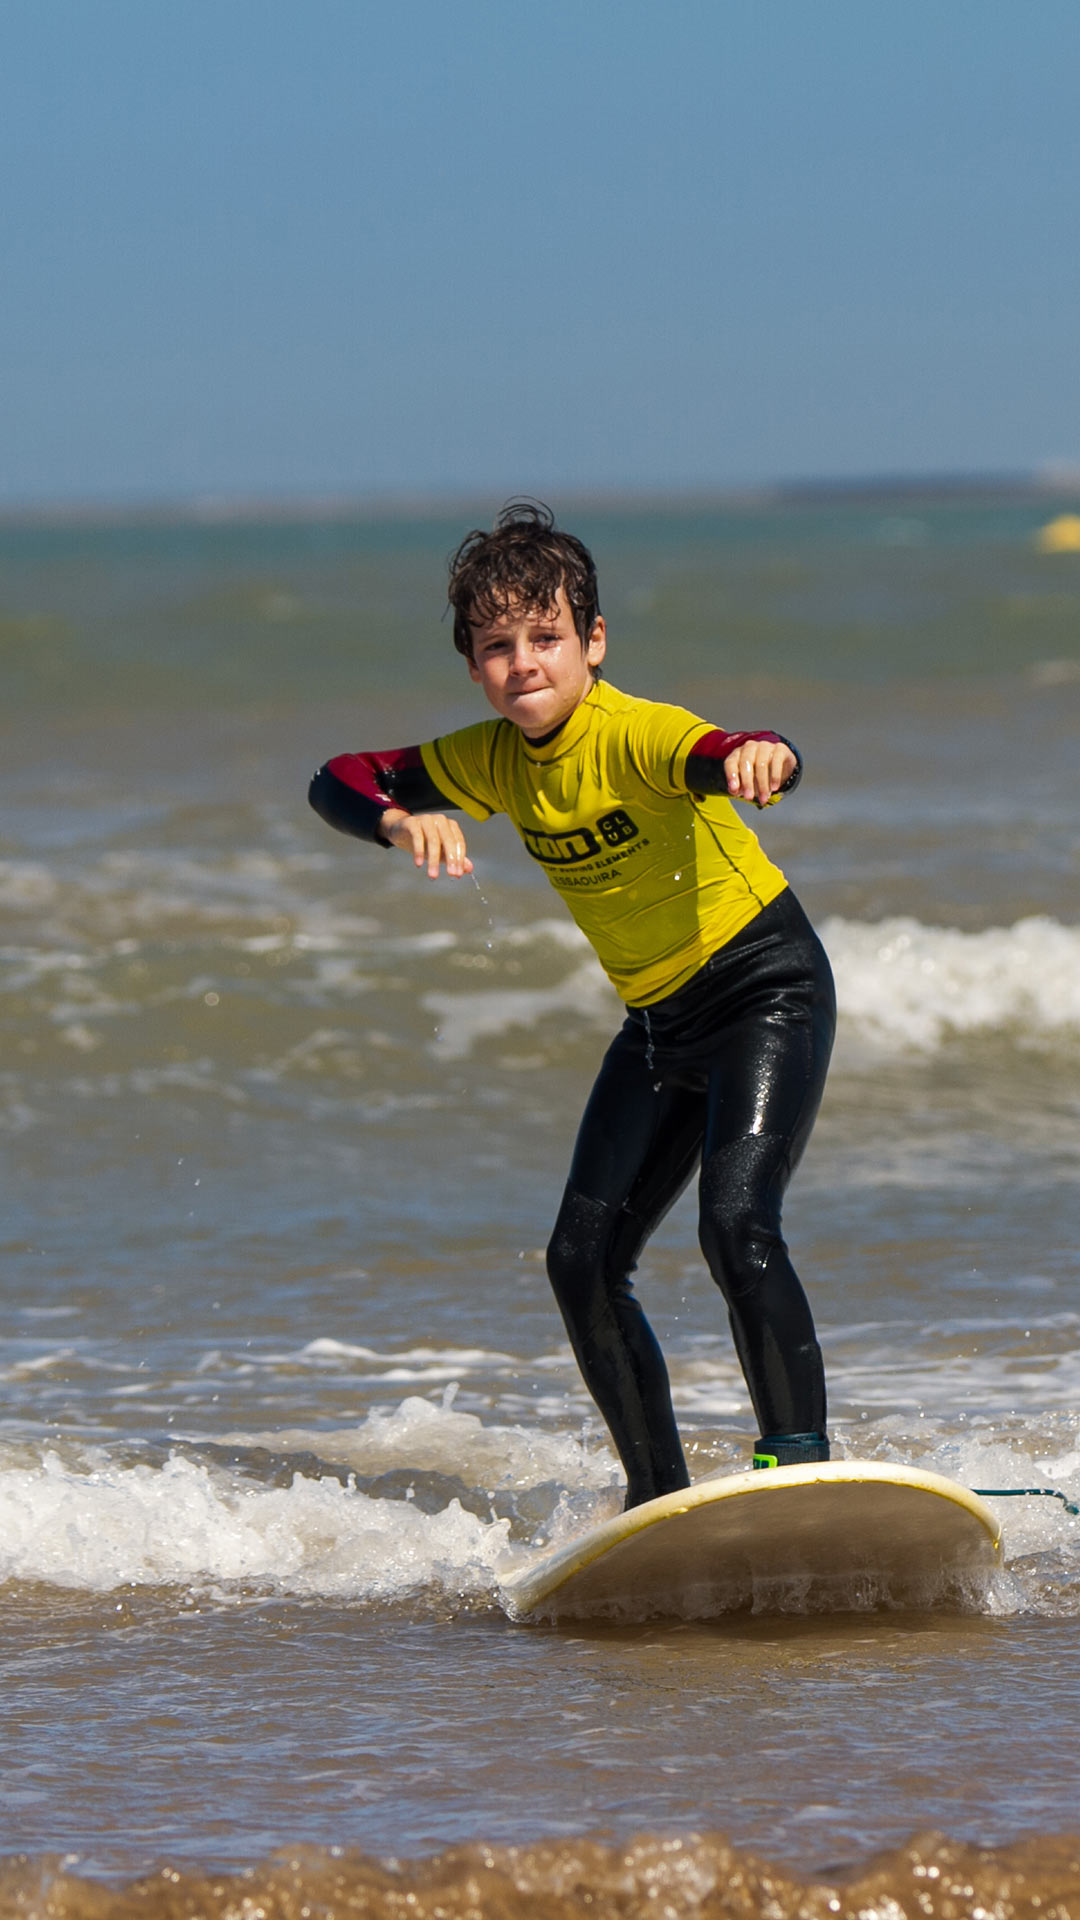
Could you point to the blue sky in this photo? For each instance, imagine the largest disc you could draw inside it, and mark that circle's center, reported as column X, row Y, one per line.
column 475, row 245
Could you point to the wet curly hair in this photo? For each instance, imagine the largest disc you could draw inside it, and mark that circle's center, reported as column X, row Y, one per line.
column 523, row 561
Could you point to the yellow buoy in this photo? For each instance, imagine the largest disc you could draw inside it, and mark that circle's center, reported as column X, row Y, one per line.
column 1061, row 535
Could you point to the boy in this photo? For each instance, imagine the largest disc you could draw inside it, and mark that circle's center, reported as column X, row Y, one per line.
column 730, row 1012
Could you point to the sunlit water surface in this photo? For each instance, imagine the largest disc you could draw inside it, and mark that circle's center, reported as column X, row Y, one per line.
column 283, row 1129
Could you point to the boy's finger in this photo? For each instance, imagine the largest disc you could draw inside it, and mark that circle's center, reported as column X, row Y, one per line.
column 427, row 845
column 455, row 848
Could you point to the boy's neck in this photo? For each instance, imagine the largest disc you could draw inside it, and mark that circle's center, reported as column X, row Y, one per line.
column 544, row 739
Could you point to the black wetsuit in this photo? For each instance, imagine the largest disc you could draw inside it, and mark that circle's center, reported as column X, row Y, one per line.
column 726, row 1074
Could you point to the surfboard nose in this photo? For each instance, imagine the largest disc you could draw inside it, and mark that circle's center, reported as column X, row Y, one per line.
column 828, row 1535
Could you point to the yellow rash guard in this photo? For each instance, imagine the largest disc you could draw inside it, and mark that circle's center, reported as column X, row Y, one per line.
column 656, row 877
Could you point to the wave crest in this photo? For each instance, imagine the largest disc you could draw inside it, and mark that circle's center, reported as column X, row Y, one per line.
column 902, row 985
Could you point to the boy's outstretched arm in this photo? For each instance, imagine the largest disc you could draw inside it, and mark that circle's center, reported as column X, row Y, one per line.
column 745, row 766
column 391, row 800
column 354, row 790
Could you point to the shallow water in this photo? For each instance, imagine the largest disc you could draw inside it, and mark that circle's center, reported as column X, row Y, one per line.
column 283, row 1128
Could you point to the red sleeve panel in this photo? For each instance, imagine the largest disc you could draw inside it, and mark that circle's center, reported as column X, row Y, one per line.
column 352, row 791
column 705, row 763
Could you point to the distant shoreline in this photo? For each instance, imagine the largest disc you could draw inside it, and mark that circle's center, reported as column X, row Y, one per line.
column 254, row 510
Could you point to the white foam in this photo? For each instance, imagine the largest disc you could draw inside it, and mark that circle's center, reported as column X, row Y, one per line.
column 905, row 986
column 1003, row 1368
column 561, row 933
column 26, row 884
column 902, row 986
column 81, row 1518
column 191, row 1525
column 425, row 1436
column 465, row 1018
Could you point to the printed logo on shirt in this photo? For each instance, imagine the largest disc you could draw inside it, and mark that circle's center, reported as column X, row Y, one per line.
column 567, row 849
column 617, row 828
column 561, row 849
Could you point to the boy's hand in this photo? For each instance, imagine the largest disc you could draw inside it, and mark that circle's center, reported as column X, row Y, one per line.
column 757, row 770
column 433, row 839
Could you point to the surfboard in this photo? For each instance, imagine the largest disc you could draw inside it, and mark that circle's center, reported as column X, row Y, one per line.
column 845, row 1534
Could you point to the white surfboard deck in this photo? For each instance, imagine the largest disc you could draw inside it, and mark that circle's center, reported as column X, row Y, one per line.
column 842, row 1535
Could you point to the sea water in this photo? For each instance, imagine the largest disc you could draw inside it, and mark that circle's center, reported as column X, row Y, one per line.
column 284, row 1125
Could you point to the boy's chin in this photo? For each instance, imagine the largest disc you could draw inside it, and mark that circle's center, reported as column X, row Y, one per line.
column 533, row 715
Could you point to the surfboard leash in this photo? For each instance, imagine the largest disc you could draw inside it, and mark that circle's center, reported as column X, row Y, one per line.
column 1027, row 1493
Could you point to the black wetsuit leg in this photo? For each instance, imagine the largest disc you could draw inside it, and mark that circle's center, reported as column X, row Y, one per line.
column 736, row 1064
column 764, row 1091
column 638, row 1146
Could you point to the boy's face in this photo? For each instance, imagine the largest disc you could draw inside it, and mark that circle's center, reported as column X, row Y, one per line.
column 532, row 665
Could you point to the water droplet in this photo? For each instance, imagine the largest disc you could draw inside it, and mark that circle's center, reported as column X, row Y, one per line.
column 489, row 944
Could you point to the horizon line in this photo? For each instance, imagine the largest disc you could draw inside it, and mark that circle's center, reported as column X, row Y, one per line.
column 245, row 507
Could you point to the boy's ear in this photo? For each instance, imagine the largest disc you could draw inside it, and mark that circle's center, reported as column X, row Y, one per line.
column 471, row 664
column 597, row 646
